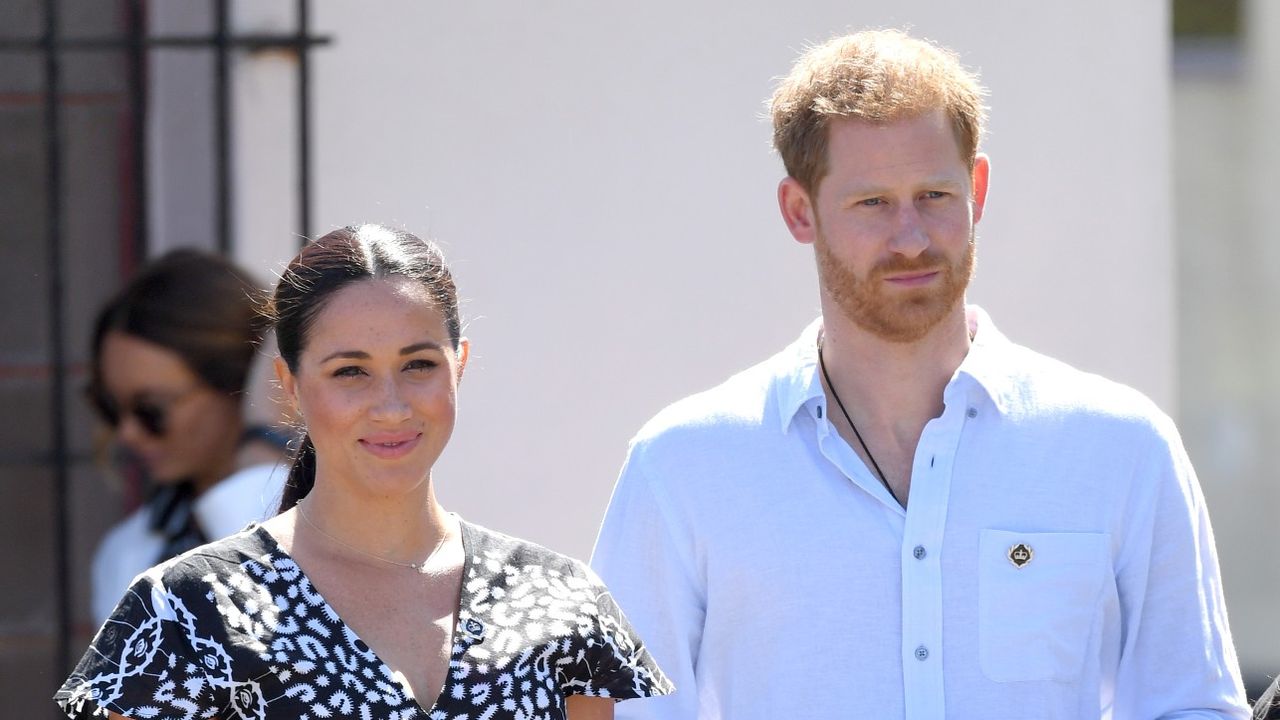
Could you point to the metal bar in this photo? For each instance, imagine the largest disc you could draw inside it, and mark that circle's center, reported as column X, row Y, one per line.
column 40, row 459
column 304, row 123
column 57, row 349
column 138, row 80
column 251, row 41
column 222, row 129
column 67, row 99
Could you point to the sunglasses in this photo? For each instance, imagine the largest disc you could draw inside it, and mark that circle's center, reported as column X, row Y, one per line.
column 151, row 414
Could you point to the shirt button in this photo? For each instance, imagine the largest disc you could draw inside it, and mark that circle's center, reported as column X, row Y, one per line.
column 973, row 412
column 919, row 552
column 922, row 653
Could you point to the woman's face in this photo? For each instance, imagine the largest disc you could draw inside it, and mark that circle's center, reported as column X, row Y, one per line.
column 376, row 386
column 176, row 425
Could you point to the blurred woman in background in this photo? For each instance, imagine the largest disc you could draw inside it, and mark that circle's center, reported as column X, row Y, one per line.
column 171, row 358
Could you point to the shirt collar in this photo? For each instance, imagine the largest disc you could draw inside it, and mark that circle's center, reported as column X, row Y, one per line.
column 797, row 382
column 988, row 362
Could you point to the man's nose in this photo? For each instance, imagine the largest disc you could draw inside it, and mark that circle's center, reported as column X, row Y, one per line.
column 909, row 235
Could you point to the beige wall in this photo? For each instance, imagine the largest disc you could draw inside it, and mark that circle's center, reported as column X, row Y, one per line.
column 601, row 177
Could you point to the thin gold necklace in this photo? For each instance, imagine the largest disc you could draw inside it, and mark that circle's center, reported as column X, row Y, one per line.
column 418, row 566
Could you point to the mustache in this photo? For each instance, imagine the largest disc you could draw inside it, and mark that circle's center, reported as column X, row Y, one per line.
column 928, row 261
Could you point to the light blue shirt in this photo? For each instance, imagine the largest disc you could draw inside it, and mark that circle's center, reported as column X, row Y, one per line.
column 1055, row 559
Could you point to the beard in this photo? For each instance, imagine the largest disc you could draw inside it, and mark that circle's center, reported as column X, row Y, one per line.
column 904, row 315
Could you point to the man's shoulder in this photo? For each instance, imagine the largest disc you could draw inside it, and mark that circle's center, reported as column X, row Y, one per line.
column 1040, row 385
column 739, row 404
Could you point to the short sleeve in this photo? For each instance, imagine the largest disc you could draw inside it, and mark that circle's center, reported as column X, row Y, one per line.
column 620, row 666
column 148, row 663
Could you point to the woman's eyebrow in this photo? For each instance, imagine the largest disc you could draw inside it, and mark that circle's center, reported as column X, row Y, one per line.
column 347, row 354
column 417, row 347
column 406, row 350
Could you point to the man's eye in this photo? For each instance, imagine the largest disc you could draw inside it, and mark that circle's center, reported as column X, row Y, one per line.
column 935, row 194
column 872, row 202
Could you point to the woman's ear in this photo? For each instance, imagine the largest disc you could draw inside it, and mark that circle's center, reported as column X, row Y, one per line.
column 464, row 352
column 288, row 385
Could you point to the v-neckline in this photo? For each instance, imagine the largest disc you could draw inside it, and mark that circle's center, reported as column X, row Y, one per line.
column 464, row 533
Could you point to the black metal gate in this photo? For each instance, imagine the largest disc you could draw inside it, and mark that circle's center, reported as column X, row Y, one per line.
column 74, row 103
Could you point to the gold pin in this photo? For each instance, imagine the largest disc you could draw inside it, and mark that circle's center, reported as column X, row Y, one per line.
column 1020, row 555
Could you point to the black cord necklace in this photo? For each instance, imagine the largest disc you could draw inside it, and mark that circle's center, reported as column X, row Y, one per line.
column 836, row 396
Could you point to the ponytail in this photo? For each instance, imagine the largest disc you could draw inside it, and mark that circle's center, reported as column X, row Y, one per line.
column 302, row 475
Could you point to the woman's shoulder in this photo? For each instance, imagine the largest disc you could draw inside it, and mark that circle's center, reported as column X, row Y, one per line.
column 214, row 559
column 499, row 551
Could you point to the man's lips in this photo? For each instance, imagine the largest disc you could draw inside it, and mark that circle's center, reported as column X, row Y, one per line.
column 391, row 446
column 914, row 279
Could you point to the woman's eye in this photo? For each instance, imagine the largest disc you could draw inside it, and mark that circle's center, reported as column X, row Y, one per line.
column 420, row 364
column 348, row 371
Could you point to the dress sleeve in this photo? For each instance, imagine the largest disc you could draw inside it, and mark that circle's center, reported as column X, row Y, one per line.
column 619, row 665
column 148, row 663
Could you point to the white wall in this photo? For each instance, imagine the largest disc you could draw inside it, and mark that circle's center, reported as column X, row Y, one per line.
column 601, row 176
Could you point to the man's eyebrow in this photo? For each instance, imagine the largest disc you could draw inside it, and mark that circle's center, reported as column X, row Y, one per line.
column 942, row 180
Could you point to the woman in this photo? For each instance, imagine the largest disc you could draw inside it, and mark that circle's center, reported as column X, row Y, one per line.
column 170, row 361
column 363, row 597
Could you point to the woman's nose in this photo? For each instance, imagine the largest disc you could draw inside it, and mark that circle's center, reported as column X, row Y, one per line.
column 391, row 404
column 130, row 432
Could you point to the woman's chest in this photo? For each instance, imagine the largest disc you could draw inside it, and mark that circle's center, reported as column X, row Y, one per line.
column 405, row 620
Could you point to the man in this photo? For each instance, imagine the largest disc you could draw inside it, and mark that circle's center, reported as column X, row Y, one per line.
column 904, row 514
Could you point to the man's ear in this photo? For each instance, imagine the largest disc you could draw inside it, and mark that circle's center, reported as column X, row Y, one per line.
column 981, row 181
column 796, row 206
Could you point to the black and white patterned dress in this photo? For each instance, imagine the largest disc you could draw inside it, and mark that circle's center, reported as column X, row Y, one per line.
column 234, row 630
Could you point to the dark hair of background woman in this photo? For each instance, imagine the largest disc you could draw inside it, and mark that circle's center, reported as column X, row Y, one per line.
column 329, row 264
column 195, row 304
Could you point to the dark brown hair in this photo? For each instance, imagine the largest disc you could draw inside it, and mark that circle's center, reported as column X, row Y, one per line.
column 327, row 265
column 198, row 305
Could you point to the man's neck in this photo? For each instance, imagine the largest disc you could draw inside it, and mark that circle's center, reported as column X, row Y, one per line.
column 892, row 386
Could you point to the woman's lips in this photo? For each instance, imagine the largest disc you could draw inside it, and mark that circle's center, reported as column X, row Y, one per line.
column 391, row 447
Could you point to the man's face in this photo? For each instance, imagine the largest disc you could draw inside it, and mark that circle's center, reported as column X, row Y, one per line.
column 893, row 224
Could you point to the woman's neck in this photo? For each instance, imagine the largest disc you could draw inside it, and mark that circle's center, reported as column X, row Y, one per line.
column 398, row 529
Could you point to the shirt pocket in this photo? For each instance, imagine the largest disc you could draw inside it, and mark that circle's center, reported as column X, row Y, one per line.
column 1039, row 596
